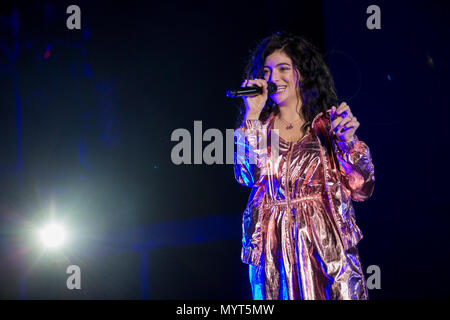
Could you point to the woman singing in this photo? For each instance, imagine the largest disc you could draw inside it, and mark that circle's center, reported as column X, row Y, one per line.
column 299, row 231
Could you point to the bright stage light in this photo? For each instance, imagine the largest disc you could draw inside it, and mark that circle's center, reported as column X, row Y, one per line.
column 53, row 235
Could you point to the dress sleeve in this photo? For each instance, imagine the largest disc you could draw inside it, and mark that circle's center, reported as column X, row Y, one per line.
column 356, row 167
column 250, row 153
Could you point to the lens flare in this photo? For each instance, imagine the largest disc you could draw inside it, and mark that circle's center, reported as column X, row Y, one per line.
column 53, row 235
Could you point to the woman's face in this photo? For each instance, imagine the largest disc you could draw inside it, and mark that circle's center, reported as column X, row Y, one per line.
column 279, row 69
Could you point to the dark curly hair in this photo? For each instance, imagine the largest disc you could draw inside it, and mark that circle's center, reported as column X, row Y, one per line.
column 317, row 91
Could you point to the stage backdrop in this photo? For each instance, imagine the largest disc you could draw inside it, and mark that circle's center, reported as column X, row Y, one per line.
column 87, row 117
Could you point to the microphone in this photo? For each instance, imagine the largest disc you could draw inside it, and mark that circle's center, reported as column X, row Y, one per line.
column 252, row 91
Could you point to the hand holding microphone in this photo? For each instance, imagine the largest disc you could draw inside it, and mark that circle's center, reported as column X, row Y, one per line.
column 254, row 93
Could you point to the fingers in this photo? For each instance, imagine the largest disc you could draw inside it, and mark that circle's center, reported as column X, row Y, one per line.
column 256, row 82
column 343, row 124
column 255, row 103
column 336, row 120
column 343, row 110
column 336, row 123
column 340, row 116
column 353, row 124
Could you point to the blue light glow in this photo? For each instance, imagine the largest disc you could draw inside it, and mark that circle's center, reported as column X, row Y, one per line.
column 330, row 279
column 256, row 282
column 283, row 289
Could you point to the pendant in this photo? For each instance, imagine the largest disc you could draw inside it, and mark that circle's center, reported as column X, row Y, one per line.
column 289, row 127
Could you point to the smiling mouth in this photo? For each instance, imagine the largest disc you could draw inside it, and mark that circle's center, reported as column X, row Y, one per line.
column 281, row 89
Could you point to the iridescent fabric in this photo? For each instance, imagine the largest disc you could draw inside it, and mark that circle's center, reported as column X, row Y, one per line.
column 299, row 230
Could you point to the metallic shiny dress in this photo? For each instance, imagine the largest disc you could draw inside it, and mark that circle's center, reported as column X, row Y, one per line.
column 299, row 228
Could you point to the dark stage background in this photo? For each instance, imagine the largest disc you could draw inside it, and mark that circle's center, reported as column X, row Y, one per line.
column 87, row 116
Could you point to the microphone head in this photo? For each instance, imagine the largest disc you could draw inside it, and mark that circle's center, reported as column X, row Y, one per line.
column 271, row 88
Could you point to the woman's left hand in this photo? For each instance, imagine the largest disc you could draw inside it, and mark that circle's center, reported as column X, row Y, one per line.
column 343, row 123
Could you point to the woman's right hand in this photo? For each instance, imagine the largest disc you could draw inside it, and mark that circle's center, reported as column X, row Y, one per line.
column 255, row 104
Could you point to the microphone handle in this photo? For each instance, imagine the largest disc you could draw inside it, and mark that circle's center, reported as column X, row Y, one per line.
column 246, row 91
column 252, row 91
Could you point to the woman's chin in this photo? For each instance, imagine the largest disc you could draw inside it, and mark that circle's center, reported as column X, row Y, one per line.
column 281, row 99
column 278, row 100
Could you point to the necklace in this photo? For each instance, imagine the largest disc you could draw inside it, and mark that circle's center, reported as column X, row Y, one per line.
column 289, row 124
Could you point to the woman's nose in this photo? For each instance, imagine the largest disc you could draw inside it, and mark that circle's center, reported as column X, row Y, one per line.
column 273, row 76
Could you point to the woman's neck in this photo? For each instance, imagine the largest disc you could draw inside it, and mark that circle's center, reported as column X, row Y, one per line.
column 291, row 112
